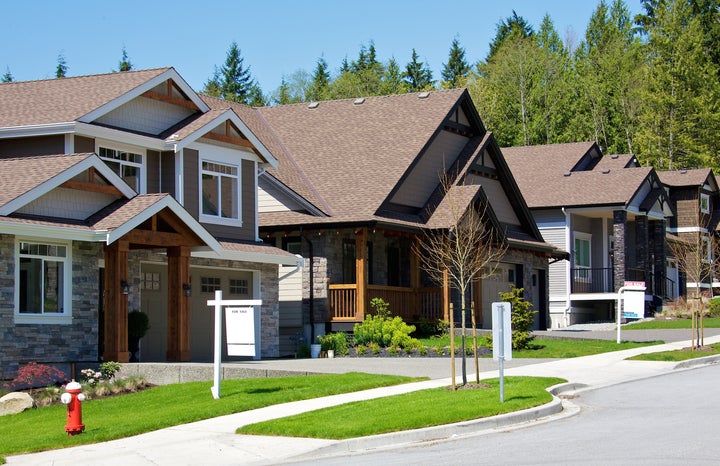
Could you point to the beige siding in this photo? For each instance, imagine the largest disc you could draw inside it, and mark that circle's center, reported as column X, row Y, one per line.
column 425, row 176
column 271, row 199
column 558, row 270
column 146, row 115
column 498, row 199
column 290, row 290
column 67, row 203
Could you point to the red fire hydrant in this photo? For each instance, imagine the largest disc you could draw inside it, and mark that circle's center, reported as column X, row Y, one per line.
column 72, row 398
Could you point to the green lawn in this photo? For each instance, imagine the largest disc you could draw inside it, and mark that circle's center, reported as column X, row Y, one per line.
column 708, row 322
column 413, row 410
column 678, row 355
column 169, row 405
column 546, row 348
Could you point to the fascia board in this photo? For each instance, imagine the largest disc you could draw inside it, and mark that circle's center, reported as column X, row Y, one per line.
column 290, row 193
column 51, row 232
column 60, row 178
column 250, row 257
column 37, row 130
column 126, row 137
column 172, row 204
column 139, row 90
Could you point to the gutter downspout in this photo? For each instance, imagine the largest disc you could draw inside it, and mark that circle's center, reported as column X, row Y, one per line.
column 568, row 279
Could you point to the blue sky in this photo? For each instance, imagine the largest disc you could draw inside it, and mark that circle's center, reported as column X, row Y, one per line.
column 276, row 37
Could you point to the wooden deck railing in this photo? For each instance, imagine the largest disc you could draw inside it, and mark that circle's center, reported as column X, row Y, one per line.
column 412, row 304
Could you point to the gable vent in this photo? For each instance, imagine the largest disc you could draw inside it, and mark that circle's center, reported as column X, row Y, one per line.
column 313, row 104
column 359, row 101
column 423, row 95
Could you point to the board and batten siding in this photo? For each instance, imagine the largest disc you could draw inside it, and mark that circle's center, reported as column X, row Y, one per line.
column 145, row 115
column 290, row 295
column 425, row 175
column 42, row 145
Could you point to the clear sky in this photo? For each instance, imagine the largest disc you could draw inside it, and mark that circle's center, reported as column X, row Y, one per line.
column 276, row 37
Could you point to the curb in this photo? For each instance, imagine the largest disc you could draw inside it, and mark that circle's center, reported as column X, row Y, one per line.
column 450, row 431
column 697, row 362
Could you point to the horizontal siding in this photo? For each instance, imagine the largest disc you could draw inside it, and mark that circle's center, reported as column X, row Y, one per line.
column 498, row 200
column 272, row 199
column 425, row 176
column 67, row 203
column 557, row 276
column 146, row 115
column 549, row 218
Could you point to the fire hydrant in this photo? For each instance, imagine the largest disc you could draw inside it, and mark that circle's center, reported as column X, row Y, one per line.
column 72, row 398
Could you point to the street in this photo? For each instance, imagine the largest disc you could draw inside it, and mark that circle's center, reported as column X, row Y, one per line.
column 666, row 420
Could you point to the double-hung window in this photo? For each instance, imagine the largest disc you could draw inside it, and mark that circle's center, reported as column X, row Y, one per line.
column 581, row 256
column 127, row 165
column 42, row 282
column 220, row 190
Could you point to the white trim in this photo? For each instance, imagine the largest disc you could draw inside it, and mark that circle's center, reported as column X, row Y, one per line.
column 51, row 232
column 37, row 130
column 687, row 230
column 248, row 257
column 121, row 136
column 124, row 147
column 69, row 143
column 212, row 154
column 271, row 180
column 141, row 89
column 255, row 190
column 65, row 175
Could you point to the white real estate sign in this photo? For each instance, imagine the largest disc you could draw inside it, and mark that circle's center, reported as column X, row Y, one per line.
column 240, row 329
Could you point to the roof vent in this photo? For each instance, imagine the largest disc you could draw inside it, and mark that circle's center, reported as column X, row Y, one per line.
column 614, row 156
column 567, row 173
column 359, row 101
column 606, row 170
column 313, row 104
column 423, row 95
column 683, row 171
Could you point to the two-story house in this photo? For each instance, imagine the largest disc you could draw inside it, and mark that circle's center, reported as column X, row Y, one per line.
column 358, row 181
column 121, row 192
column 608, row 213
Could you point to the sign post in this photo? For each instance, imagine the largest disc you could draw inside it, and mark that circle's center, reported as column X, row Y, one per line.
column 502, row 339
column 631, row 303
column 219, row 303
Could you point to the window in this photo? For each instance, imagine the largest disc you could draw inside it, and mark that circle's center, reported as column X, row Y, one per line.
column 209, row 284
column 348, row 263
column 220, row 193
column 42, row 279
column 706, row 249
column 150, row 281
column 581, row 256
column 127, row 165
column 239, row 286
column 705, row 203
column 292, row 244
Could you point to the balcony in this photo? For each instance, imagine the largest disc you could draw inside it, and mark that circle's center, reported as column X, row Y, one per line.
column 412, row 304
column 587, row 280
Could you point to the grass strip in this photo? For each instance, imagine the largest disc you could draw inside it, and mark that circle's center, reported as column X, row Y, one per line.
column 678, row 355
column 548, row 348
column 660, row 324
column 168, row 405
column 413, row 410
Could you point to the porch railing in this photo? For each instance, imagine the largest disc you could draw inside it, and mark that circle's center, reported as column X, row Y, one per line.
column 591, row 280
column 412, row 304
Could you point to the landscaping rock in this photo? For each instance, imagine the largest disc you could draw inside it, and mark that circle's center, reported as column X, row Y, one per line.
column 15, row 402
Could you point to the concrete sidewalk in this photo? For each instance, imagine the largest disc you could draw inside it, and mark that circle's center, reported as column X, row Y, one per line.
column 213, row 441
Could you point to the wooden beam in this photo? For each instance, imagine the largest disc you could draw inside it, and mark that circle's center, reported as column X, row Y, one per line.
column 91, row 187
column 361, row 273
column 159, row 238
column 116, row 303
column 229, row 139
column 170, row 99
column 178, row 305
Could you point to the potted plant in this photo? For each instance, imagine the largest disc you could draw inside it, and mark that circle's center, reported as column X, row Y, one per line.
column 138, row 325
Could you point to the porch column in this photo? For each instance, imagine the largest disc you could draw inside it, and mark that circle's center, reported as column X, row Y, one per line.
column 619, row 250
column 415, row 274
column 116, row 303
column 657, row 241
column 178, row 343
column 361, row 272
column 642, row 248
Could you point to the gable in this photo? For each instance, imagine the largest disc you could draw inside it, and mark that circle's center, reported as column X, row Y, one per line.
column 497, row 198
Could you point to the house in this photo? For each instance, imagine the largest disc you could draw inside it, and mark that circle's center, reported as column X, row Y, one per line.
column 356, row 184
column 695, row 198
column 609, row 213
column 120, row 192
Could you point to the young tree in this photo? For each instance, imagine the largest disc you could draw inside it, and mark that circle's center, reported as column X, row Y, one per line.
column 392, row 82
column 7, row 77
column 61, row 69
column 456, row 70
column 417, row 75
column 125, row 64
column 468, row 249
column 320, row 81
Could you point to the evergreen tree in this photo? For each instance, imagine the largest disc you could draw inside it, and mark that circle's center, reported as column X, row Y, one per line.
column 7, row 77
column 417, row 76
column 255, row 96
column 232, row 81
column 513, row 26
column 125, row 64
column 283, row 94
column 320, row 81
column 392, row 82
column 61, row 69
column 456, row 69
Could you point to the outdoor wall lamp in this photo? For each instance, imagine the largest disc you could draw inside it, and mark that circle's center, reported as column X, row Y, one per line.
column 124, row 287
column 187, row 289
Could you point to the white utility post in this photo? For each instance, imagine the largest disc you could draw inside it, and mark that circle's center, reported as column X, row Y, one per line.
column 502, row 339
column 630, row 303
column 219, row 303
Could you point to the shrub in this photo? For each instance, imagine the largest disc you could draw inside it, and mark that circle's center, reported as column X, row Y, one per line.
column 382, row 308
column 429, row 328
column 714, row 307
column 109, row 369
column 385, row 332
column 521, row 318
column 33, row 375
column 338, row 342
column 361, row 349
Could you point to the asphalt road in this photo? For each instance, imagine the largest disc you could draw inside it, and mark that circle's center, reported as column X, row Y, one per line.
column 665, row 420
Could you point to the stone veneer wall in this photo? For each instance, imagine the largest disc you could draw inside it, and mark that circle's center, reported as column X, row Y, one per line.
column 269, row 292
column 77, row 342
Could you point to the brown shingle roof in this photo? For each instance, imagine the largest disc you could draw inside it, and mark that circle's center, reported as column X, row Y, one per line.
column 122, row 211
column 616, row 161
column 22, row 174
column 64, row 100
column 694, row 177
column 354, row 152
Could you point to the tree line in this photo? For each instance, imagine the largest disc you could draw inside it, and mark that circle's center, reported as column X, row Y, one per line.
column 646, row 85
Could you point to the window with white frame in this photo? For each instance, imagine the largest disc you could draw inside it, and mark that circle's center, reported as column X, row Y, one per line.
column 707, row 252
column 220, row 190
column 705, row 203
column 127, row 165
column 581, row 255
column 43, row 273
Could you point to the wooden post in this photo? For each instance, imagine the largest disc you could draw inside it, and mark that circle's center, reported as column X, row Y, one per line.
column 116, row 303
column 178, row 309
column 475, row 345
column 361, row 273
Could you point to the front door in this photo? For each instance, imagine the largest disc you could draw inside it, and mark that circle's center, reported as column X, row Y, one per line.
column 153, row 291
